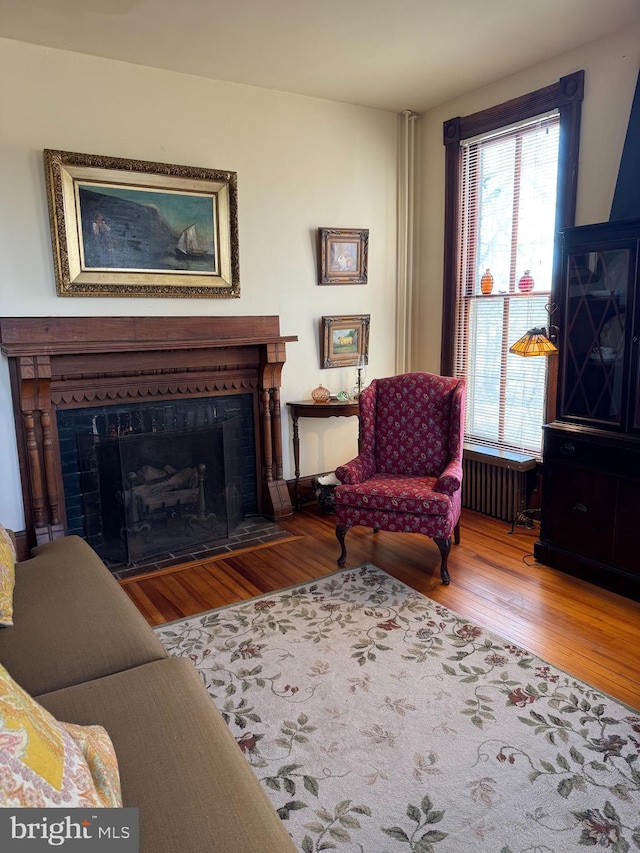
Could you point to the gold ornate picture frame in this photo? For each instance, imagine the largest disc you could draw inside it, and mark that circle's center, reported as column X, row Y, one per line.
column 136, row 228
column 345, row 340
column 343, row 255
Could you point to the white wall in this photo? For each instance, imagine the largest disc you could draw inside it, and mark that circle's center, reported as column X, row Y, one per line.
column 611, row 71
column 301, row 163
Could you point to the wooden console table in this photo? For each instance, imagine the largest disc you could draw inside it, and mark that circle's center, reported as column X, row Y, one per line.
column 311, row 409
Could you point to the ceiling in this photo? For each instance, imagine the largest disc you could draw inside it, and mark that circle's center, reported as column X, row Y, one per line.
column 386, row 54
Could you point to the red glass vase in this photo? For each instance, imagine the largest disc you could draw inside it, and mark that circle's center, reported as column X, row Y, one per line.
column 525, row 285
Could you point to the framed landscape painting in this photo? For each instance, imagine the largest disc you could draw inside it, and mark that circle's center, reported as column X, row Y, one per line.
column 345, row 341
column 137, row 228
column 343, row 255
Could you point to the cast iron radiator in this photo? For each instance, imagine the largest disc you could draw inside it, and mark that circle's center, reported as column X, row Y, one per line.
column 495, row 482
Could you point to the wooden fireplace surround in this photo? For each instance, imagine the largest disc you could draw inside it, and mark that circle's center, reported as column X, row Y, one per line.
column 77, row 362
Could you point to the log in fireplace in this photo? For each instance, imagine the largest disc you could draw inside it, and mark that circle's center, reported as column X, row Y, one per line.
column 65, row 363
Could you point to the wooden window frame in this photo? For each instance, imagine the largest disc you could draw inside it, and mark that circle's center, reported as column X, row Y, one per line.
column 565, row 96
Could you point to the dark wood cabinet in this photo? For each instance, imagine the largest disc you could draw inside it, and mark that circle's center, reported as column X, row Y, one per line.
column 591, row 451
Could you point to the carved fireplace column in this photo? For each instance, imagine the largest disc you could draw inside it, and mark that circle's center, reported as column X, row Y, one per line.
column 34, row 377
column 273, row 482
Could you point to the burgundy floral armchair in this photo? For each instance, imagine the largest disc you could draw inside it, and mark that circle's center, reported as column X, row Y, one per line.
column 408, row 473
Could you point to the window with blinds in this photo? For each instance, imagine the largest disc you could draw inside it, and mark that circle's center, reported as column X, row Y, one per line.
column 508, row 187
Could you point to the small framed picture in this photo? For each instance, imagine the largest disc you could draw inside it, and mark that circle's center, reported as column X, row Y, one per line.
column 345, row 341
column 342, row 255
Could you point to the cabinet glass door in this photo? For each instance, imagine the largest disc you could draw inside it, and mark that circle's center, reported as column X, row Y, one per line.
column 595, row 319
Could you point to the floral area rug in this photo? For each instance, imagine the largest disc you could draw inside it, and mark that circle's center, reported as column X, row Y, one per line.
column 380, row 722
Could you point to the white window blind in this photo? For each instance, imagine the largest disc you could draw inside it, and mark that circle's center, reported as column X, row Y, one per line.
column 507, row 215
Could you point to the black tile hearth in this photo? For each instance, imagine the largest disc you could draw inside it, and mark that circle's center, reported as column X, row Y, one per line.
column 251, row 532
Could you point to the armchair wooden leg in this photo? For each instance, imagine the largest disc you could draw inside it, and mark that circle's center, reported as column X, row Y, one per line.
column 444, row 546
column 341, row 532
column 456, row 533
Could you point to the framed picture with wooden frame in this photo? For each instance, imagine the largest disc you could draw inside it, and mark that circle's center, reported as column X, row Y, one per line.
column 136, row 228
column 345, row 341
column 343, row 255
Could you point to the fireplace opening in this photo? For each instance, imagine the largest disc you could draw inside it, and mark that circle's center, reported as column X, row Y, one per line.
column 158, row 479
column 161, row 492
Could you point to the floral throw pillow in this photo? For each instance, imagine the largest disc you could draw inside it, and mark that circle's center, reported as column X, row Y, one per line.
column 44, row 763
column 100, row 756
column 7, row 578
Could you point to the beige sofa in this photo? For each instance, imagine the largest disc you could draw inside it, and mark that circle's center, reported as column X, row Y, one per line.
column 82, row 650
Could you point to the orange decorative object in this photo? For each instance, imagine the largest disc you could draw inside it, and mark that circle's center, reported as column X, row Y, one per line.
column 486, row 282
column 525, row 285
column 320, row 394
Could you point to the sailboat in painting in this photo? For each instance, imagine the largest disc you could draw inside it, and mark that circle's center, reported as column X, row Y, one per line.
column 188, row 246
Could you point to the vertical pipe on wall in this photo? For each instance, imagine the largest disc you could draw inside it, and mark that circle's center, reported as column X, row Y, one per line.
column 404, row 277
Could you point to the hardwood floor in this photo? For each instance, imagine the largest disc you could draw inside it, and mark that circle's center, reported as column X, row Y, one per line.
column 587, row 631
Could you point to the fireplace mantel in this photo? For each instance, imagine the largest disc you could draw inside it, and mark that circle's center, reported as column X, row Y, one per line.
column 71, row 362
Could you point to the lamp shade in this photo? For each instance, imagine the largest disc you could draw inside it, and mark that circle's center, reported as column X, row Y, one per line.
column 534, row 342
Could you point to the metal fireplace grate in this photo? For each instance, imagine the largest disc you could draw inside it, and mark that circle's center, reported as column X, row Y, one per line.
column 154, row 493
